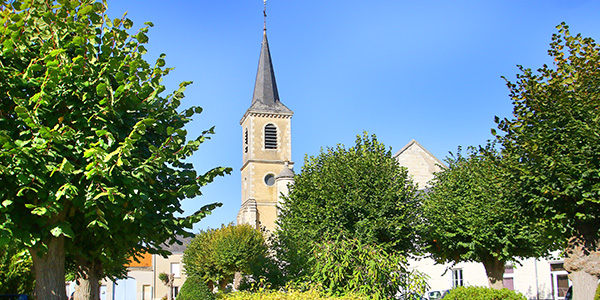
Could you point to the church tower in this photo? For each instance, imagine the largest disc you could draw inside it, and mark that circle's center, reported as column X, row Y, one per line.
column 267, row 148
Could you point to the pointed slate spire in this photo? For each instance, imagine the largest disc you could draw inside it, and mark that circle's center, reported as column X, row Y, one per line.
column 266, row 97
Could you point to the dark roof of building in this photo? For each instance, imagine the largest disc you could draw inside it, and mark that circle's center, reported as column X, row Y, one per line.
column 174, row 247
column 266, row 97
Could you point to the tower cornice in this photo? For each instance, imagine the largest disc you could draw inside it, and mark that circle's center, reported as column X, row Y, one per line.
column 266, row 114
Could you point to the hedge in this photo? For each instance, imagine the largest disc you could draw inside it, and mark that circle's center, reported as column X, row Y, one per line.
column 292, row 295
column 483, row 293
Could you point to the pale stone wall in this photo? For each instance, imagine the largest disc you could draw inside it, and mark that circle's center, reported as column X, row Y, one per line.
column 259, row 162
column 531, row 277
column 420, row 163
column 163, row 265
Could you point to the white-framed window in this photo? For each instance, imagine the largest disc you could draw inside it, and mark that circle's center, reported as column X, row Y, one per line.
column 509, row 277
column 270, row 136
column 457, row 278
column 560, row 280
column 175, row 291
column 176, row 269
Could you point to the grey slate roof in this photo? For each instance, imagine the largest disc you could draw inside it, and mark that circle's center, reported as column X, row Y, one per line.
column 266, row 97
column 286, row 173
column 175, row 247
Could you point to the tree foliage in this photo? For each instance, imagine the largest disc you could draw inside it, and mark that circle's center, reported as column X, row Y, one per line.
column 194, row 288
column 92, row 156
column 215, row 255
column 16, row 271
column 554, row 137
column 470, row 214
column 347, row 266
column 359, row 192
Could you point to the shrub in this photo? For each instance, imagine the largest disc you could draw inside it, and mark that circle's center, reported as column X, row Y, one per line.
column 195, row 288
column 597, row 297
column 343, row 266
column 290, row 295
column 483, row 293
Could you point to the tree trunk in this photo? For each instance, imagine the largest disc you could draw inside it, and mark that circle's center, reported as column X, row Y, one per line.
column 583, row 264
column 88, row 279
column 223, row 283
column 49, row 270
column 494, row 269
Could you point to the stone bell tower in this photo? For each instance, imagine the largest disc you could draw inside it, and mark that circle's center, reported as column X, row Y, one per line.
column 267, row 148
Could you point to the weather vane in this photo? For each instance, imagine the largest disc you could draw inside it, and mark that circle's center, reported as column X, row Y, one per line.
column 265, row 14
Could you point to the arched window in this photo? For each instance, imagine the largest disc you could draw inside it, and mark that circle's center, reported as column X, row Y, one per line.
column 270, row 136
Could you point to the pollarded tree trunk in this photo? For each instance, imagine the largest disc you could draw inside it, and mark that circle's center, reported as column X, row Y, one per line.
column 494, row 269
column 50, row 270
column 89, row 275
column 583, row 264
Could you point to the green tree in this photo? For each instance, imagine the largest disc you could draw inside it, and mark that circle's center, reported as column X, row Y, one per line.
column 215, row 255
column 554, row 138
column 345, row 266
column 16, row 271
column 470, row 214
column 359, row 192
column 92, row 157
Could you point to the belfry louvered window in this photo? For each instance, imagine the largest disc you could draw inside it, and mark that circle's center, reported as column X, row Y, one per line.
column 246, row 140
column 270, row 136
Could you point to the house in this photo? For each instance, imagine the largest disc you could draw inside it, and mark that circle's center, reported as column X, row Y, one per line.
column 534, row 278
column 142, row 282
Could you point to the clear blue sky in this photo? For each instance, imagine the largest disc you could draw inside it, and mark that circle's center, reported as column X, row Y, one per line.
column 424, row 70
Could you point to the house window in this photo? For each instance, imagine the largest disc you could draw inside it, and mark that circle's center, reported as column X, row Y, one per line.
column 146, row 292
column 509, row 280
column 270, row 136
column 560, row 280
column 175, row 291
column 457, row 278
column 176, row 270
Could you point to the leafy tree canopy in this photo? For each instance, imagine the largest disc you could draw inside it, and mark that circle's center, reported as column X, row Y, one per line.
column 359, row 192
column 345, row 266
column 470, row 214
column 92, row 154
column 215, row 255
column 16, row 271
column 554, row 138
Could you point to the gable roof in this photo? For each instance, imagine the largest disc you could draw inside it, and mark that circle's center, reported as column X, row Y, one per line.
column 414, row 143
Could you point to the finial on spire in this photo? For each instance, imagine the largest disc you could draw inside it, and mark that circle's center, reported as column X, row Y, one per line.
column 265, row 14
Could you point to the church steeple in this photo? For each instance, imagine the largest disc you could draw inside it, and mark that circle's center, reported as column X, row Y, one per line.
column 266, row 97
column 267, row 148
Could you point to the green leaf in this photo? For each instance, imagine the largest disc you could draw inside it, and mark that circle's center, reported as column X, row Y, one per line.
column 40, row 211
column 62, row 229
column 101, row 89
